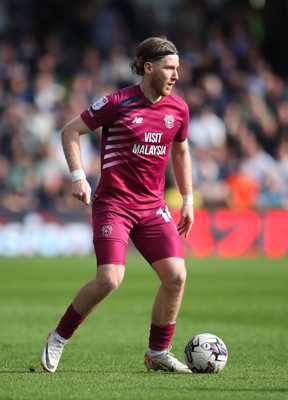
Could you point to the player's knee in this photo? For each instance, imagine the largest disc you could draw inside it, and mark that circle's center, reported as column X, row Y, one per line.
column 172, row 274
column 180, row 277
column 106, row 285
column 109, row 278
column 111, row 284
column 176, row 279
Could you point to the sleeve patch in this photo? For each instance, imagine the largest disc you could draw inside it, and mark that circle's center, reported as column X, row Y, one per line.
column 100, row 103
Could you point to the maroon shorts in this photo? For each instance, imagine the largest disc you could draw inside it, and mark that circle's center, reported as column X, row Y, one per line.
column 153, row 233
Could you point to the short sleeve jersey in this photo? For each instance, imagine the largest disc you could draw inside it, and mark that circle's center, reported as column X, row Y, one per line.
column 135, row 143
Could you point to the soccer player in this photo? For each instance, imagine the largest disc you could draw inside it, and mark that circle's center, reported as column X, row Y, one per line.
column 141, row 125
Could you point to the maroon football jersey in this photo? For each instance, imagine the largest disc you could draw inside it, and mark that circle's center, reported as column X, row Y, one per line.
column 135, row 143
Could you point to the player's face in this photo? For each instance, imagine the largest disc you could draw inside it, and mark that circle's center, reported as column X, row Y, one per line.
column 164, row 75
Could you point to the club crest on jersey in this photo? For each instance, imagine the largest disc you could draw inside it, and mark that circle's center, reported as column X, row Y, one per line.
column 107, row 230
column 169, row 121
column 100, row 103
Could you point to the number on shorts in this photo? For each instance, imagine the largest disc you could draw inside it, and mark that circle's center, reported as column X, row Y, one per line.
column 165, row 214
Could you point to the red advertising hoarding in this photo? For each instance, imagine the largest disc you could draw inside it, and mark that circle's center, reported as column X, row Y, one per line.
column 231, row 233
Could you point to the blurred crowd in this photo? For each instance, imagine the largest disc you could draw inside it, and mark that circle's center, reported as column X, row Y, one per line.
column 238, row 131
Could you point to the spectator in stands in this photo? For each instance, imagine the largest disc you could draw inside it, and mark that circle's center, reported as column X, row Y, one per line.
column 262, row 167
column 224, row 78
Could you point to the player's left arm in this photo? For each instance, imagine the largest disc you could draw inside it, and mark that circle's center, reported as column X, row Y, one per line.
column 182, row 166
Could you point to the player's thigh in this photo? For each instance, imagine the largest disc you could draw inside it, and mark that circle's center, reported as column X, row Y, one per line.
column 110, row 237
column 157, row 239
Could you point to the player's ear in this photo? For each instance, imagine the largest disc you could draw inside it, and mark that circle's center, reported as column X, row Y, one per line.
column 148, row 67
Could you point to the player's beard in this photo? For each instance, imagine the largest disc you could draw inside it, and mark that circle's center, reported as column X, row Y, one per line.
column 167, row 90
column 160, row 88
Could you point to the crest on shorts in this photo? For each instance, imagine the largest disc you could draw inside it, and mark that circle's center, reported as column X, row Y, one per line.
column 169, row 121
column 100, row 103
column 107, row 230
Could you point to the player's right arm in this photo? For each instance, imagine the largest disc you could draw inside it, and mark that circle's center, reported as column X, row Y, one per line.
column 70, row 137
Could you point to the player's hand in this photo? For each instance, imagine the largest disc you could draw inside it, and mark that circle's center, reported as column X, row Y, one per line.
column 186, row 220
column 81, row 190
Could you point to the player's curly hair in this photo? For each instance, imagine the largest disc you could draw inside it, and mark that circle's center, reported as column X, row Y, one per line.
column 151, row 49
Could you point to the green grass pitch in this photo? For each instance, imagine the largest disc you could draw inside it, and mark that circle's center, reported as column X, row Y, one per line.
column 244, row 301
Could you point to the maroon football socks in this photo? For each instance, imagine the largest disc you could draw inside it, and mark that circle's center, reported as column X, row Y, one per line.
column 69, row 323
column 161, row 336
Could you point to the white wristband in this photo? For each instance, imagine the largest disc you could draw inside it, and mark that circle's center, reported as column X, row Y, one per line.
column 77, row 175
column 187, row 199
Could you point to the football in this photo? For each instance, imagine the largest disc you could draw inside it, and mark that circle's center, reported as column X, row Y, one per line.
column 206, row 354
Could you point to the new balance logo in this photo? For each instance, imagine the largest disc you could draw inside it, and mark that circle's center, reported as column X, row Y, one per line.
column 137, row 120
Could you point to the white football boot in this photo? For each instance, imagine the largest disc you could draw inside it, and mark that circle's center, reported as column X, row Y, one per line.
column 52, row 351
column 165, row 361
